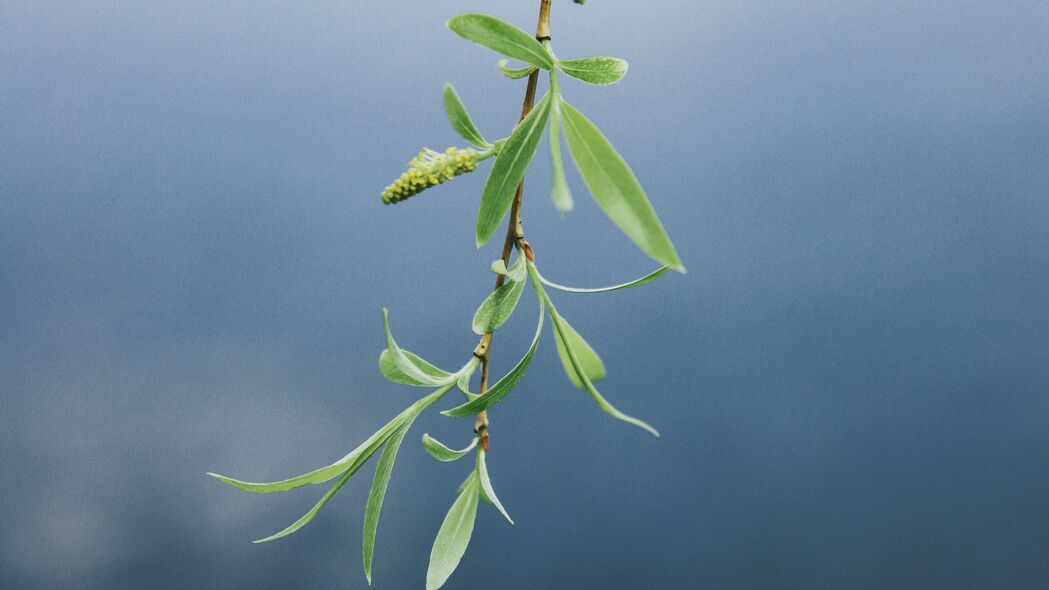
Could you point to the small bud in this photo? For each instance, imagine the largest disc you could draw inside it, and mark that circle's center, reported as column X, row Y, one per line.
column 431, row 168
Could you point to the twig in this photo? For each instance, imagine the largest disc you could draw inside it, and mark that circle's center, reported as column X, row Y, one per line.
column 514, row 229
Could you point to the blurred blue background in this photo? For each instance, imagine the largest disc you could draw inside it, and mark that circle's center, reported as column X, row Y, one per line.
column 851, row 380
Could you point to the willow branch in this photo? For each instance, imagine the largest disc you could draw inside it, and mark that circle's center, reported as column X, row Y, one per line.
column 514, row 229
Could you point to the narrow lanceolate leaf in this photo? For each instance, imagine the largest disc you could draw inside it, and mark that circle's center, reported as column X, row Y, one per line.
column 306, row 518
column 351, row 462
column 616, row 189
column 399, row 368
column 454, row 536
column 581, row 375
column 559, row 192
column 559, row 326
column 501, row 36
column 515, row 73
column 500, row 305
column 438, row 451
column 634, row 283
column 460, row 119
column 486, row 487
column 504, row 385
column 589, row 362
column 383, row 471
column 595, row 70
column 509, row 169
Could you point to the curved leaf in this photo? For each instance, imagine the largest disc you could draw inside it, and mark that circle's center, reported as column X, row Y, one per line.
column 575, row 362
column 390, row 369
column 501, row 36
column 399, row 368
column 509, row 169
column 515, row 73
column 590, row 363
column 634, row 283
column 438, row 451
column 454, row 536
column 460, row 119
column 488, row 493
column 615, row 188
column 306, row 518
column 383, row 471
column 352, row 461
column 504, row 385
column 500, row 304
column 594, row 70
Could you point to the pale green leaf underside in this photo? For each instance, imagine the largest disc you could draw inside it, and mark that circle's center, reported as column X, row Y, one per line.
column 515, row 73
column 460, row 119
column 500, row 36
column 594, row 70
column 439, row 451
column 509, row 169
column 559, row 191
column 634, row 283
column 383, row 471
column 423, row 376
column 390, row 369
column 353, row 460
column 486, row 486
column 463, row 383
column 454, row 535
column 500, row 304
column 588, row 360
column 503, row 386
column 615, row 188
column 575, row 362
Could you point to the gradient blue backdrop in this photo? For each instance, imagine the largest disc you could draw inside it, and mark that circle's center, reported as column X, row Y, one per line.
column 851, row 381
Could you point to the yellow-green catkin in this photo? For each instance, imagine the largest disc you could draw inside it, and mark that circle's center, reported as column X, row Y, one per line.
column 431, row 168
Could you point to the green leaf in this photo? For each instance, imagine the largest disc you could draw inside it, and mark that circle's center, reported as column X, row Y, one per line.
column 396, row 366
column 504, row 385
column 390, row 369
column 454, row 536
column 559, row 192
column 616, row 189
column 486, row 487
column 634, row 283
column 460, row 119
column 498, row 266
column 348, row 464
column 515, row 73
column 383, row 470
column 501, row 36
column 588, row 360
column 577, row 366
column 500, row 305
column 595, row 70
column 442, row 453
column 463, row 383
column 306, row 518
column 509, row 169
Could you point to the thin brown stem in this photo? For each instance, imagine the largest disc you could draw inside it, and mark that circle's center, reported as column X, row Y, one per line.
column 514, row 229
